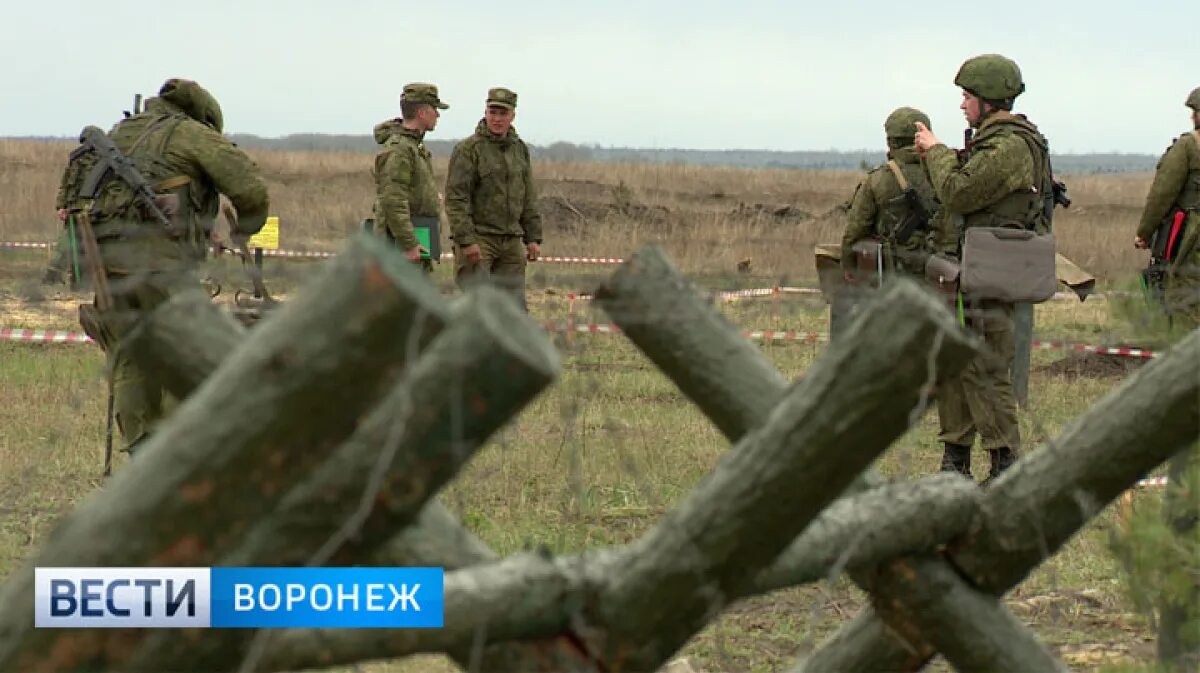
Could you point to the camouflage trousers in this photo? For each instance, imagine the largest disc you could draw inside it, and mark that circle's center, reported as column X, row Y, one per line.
column 1182, row 295
column 980, row 399
column 502, row 261
column 140, row 402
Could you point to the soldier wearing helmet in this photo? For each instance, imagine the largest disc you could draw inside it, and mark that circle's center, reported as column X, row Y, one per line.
column 998, row 182
column 177, row 145
column 887, row 204
column 1171, row 221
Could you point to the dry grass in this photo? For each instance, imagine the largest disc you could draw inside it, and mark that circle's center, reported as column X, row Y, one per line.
column 612, row 444
column 708, row 218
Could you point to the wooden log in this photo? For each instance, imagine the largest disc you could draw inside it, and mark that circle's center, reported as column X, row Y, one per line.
column 696, row 346
column 488, row 363
column 704, row 353
column 253, row 428
column 533, row 596
column 854, row 401
column 185, row 340
column 436, row 538
column 1037, row 505
column 923, row 598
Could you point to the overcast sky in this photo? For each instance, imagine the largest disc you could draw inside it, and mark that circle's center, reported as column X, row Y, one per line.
column 750, row 74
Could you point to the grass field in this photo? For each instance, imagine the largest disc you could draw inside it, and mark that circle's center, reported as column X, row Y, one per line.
column 612, row 444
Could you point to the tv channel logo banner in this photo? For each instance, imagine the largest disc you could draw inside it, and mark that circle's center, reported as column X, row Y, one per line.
column 327, row 597
column 223, row 597
column 117, row 598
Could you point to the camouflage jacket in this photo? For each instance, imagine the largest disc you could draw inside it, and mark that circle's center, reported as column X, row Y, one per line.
column 1176, row 183
column 490, row 190
column 1000, row 183
column 169, row 147
column 879, row 207
column 404, row 184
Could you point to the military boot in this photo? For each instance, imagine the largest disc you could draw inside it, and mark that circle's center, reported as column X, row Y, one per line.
column 1002, row 459
column 957, row 458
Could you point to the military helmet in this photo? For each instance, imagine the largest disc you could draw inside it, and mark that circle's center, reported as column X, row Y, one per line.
column 991, row 77
column 194, row 100
column 1193, row 99
column 901, row 123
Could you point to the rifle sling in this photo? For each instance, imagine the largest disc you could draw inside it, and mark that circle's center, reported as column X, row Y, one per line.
column 898, row 173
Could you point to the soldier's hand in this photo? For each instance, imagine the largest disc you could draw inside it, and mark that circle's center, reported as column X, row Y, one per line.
column 924, row 138
column 62, row 214
column 1140, row 243
column 414, row 255
column 472, row 253
column 534, row 251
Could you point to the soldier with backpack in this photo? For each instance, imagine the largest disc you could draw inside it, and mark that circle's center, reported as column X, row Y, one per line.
column 149, row 196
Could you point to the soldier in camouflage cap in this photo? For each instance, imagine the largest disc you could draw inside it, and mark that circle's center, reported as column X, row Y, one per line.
column 177, row 145
column 404, row 184
column 881, row 211
column 1173, row 209
column 491, row 201
column 997, row 182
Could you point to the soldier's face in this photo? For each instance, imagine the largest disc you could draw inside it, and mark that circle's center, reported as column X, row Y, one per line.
column 429, row 117
column 972, row 107
column 499, row 119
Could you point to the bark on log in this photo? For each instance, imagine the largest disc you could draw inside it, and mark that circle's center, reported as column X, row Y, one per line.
column 487, row 364
column 531, row 596
column 185, row 340
column 705, row 354
column 1036, row 506
column 923, row 598
column 253, row 428
column 696, row 346
column 854, row 401
column 436, row 538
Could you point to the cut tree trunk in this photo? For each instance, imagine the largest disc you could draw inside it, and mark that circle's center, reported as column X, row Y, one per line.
column 274, row 409
column 1044, row 499
column 854, row 401
column 533, row 596
column 476, row 375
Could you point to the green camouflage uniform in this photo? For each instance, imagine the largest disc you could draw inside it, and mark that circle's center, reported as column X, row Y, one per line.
column 879, row 206
column 68, row 251
column 1177, row 186
column 176, row 144
column 992, row 186
column 404, row 184
column 491, row 201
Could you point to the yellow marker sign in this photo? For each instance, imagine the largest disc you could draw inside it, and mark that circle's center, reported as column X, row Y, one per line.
column 267, row 238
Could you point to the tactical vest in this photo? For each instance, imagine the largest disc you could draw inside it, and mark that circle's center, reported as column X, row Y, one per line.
column 1027, row 208
column 1189, row 196
column 893, row 212
column 144, row 139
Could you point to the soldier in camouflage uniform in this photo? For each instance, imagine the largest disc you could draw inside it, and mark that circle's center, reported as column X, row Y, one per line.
column 177, row 145
column 491, row 202
column 68, row 250
column 1174, row 193
column 999, row 182
column 404, row 184
column 879, row 207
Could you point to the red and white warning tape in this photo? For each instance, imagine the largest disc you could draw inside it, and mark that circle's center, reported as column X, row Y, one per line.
column 62, row 336
column 1088, row 348
column 20, row 245
column 43, row 335
column 1152, row 481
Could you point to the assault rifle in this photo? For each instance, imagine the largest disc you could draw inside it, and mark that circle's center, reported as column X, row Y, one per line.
column 111, row 161
column 918, row 217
